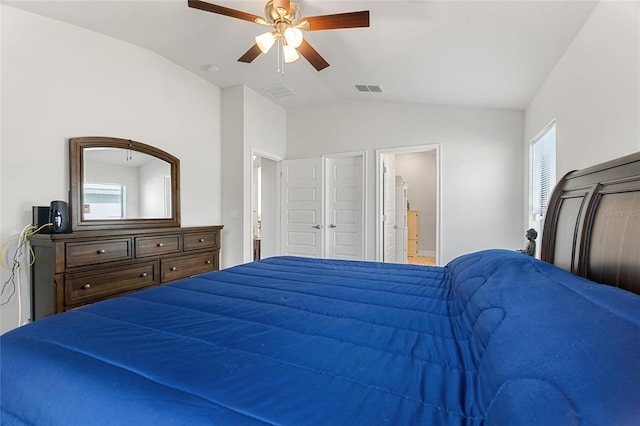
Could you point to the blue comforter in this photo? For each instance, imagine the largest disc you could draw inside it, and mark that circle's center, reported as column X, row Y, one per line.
column 495, row 337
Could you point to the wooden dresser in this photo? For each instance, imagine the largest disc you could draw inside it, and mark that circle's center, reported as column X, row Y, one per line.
column 76, row 269
column 412, row 233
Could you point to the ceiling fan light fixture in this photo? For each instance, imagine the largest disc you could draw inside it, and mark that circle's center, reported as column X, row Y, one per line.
column 290, row 53
column 286, row 19
column 293, row 36
column 265, row 41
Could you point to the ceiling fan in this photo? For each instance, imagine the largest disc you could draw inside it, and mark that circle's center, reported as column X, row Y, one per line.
column 287, row 23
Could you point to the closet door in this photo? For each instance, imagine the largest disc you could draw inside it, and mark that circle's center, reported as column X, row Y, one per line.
column 344, row 199
column 302, row 207
column 322, row 213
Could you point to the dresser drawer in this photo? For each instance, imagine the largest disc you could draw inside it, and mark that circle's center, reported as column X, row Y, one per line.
column 154, row 246
column 201, row 240
column 186, row 266
column 89, row 253
column 88, row 287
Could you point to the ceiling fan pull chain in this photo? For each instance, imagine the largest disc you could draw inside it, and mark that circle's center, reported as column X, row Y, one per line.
column 280, row 57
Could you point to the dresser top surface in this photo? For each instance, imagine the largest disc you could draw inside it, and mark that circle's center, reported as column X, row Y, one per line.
column 83, row 235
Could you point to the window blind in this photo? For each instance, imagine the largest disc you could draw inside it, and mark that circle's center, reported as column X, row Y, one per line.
column 542, row 176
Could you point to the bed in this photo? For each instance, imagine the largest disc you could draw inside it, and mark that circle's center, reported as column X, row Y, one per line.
column 493, row 338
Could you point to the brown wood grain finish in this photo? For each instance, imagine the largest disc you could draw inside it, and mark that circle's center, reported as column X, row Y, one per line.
column 87, row 253
column 87, row 287
column 201, row 240
column 221, row 10
column 251, row 54
column 312, row 55
column 154, row 246
column 614, row 255
column 601, row 236
column 72, row 270
column 186, row 266
column 564, row 249
column 338, row 20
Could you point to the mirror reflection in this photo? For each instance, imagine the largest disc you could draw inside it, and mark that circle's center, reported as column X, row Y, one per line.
column 124, row 184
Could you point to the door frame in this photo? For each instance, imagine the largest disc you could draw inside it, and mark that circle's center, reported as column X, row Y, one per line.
column 379, row 195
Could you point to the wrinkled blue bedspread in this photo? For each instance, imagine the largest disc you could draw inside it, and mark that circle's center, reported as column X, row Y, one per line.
column 495, row 337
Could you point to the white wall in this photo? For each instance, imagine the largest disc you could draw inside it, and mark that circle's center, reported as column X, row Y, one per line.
column 233, row 197
column 593, row 92
column 61, row 81
column 250, row 123
column 153, row 191
column 481, row 163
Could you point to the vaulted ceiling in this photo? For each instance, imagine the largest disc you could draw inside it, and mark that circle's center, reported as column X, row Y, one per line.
column 493, row 54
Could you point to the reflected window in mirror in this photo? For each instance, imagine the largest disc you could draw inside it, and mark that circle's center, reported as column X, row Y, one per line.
column 104, row 201
column 122, row 184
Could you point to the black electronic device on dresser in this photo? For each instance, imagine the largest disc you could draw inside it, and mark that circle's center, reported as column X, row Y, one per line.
column 53, row 219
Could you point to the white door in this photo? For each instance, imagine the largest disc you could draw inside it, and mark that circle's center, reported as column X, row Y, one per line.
column 389, row 208
column 344, row 197
column 301, row 213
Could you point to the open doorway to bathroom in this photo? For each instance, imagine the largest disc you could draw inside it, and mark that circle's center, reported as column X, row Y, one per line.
column 408, row 205
column 264, row 206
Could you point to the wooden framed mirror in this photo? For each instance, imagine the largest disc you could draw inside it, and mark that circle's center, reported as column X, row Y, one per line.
column 122, row 184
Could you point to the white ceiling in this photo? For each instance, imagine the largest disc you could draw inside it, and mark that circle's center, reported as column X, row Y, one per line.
column 492, row 54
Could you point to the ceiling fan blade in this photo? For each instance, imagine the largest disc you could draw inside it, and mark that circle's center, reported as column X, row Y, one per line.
column 221, row 10
column 250, row 54
column 312, row 55
column 338, row 20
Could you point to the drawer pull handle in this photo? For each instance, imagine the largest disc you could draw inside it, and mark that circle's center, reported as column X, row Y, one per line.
column 101, row 251
column 173, row 268
column 202, row 240
column 87, row 286
column 160, row 245
column 144, row 274
column 208, row 262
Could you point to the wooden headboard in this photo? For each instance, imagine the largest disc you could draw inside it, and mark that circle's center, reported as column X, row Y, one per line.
column 592, row 226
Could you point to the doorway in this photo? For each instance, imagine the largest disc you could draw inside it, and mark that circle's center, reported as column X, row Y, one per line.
column 265, row 199
column 408, row 205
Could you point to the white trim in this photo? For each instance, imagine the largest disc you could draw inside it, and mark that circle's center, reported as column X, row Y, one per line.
column 379, row 210
column 345, row 154
column 544, row 130
column 365, row 190
column 266, row 155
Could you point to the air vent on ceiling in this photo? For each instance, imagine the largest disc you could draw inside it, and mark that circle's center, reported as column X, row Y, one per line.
column 368, row 88
column 278, row 91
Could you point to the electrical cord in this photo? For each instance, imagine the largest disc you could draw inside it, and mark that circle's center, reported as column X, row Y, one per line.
column 13, row 282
